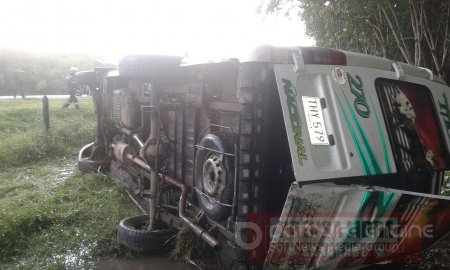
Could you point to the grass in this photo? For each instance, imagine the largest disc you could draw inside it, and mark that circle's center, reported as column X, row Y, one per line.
column 24, row 139
column 51, row 216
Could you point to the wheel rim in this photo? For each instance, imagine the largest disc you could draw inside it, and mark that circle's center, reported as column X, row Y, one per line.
column 213, row 177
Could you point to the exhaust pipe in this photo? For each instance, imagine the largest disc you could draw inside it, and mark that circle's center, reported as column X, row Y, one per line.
column 120, row 150
column 208, row 238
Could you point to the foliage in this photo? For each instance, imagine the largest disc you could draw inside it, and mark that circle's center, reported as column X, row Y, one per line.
column 42, row 73
column 51, row 216
column 415, row 31
column 191, row 248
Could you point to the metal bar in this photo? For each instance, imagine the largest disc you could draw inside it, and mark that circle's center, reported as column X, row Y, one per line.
column 213, row 150
column 139, row 162
column 202, row 233
column 80, row 154
column 208, row 238
column 219, row 126
column 225, row 106
column 224, row 231
column 136, row 203
column 211, row 198
column 168, row 107
column 138, row 140
column 167, row 206
column 235, row 185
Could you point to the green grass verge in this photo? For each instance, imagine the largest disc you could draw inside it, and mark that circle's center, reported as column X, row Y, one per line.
column 51, row 216
column 25, row 140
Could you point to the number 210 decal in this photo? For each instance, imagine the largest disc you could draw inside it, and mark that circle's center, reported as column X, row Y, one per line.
column 360, row 103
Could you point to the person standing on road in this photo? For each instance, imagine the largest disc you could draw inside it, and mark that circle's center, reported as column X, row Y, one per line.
column 72, row 88
column 18, row 75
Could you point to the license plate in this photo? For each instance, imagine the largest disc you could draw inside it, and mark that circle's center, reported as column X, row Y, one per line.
column 314, row 121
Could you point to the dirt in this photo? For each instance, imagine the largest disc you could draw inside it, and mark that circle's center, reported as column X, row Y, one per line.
column 143, row 263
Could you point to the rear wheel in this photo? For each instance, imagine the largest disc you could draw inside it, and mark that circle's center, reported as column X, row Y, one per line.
column 214, row 175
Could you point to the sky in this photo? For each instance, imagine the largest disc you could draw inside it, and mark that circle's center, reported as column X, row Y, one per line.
column 111, row 29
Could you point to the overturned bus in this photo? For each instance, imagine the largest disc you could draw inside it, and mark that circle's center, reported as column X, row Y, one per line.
column 300, row 157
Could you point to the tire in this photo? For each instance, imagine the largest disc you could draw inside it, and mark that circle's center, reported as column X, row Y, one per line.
column 211, row 173
column 85, row 163
column 89, row 165
column 148, row 67
column 133, row 235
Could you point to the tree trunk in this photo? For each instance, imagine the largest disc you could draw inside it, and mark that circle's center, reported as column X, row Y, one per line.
column 397, row 34
column 415, row 23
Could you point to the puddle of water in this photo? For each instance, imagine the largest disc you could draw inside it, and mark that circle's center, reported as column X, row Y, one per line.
column 74, row 259
column 64, row 173
column 78, row 258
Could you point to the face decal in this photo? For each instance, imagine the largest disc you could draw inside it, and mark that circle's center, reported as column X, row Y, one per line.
column 413, row 126
column 405, row 107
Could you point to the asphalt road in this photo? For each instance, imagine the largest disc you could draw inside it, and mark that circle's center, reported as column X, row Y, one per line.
column 41, row 96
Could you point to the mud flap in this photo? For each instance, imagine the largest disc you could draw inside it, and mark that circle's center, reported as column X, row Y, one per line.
column 324, row 226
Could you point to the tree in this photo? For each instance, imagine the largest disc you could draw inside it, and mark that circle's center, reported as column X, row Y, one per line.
column 413, row 31
column 42, row 73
